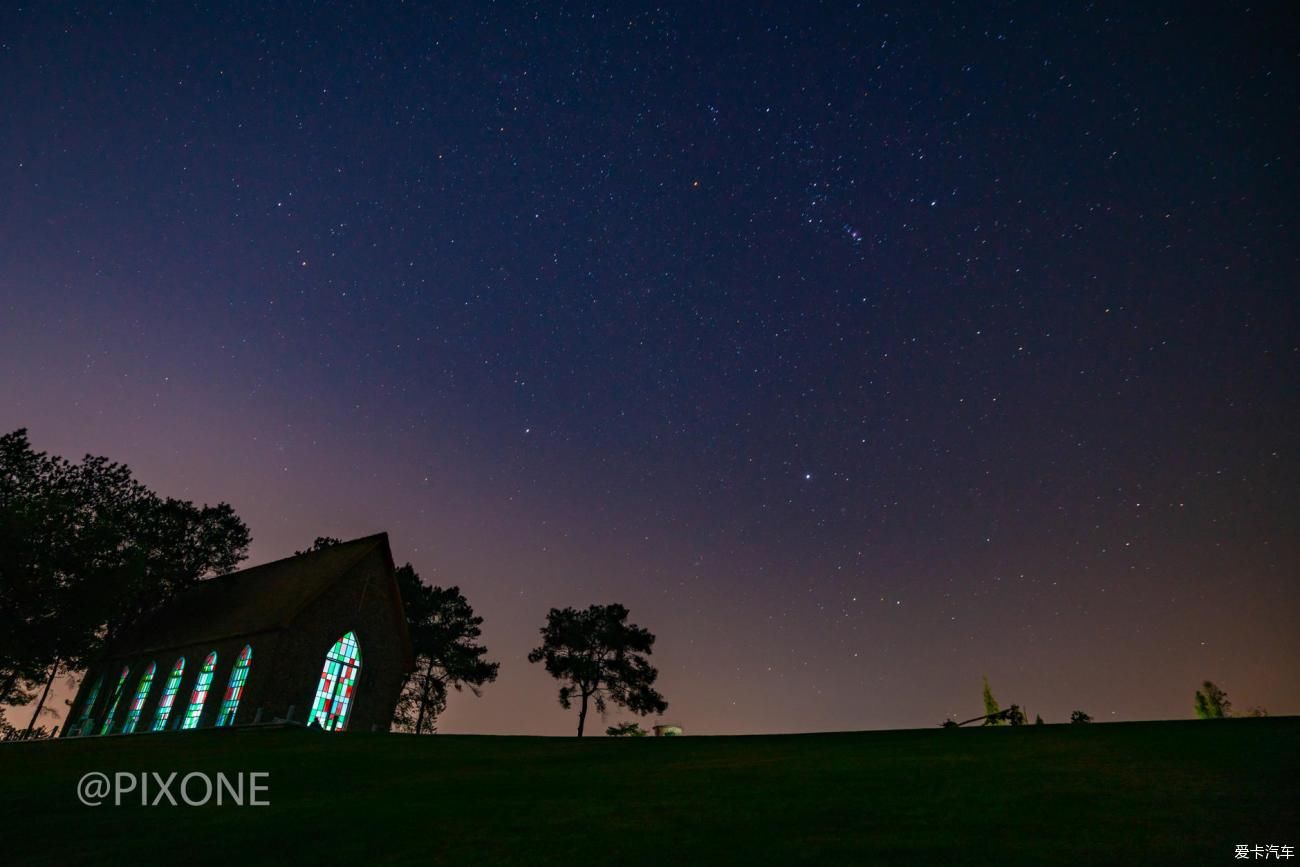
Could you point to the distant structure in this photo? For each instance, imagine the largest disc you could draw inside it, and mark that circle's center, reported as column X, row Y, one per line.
column 319, row 639
column 665, row 730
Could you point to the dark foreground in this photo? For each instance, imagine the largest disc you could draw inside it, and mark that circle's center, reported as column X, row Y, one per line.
column 1129, row 793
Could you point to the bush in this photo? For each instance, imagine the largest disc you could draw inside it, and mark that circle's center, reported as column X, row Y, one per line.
column 626, row 730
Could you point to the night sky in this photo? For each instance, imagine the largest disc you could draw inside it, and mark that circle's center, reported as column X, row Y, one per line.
column 860, row 351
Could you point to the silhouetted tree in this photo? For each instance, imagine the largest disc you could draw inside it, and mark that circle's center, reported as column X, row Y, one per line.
column 1015, row 716
column 444, row 636
column 949, row 723
column 992, row 714
column 1079, row 717
column 626, row 730
column 600, row 657
column 321, row 543
column 1212, row 702
column 1038, row 720
column 85, row 550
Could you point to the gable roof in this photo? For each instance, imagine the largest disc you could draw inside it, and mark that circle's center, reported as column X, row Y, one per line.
column 259, row 599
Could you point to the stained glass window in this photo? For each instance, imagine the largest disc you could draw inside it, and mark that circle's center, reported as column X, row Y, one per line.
column 235, row 687
column 200, row 693
column 338, row 682
column 169, row 695
column 114, row 701
column 84, row 724
column 137, row 702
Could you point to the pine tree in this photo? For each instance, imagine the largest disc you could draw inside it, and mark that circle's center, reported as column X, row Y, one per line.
column 1212, row 703
column 991, row 709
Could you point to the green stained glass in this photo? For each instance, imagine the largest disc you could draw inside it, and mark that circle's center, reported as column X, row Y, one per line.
column 84, row 724
column 200, row 693
column 337, row 686
column 235, row 687
column 113, row 703
column 169, row 695
column 137, row 703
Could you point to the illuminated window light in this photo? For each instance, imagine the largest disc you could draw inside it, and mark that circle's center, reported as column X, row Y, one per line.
column 84, row 725
column 113, row 703
column 169, row 695
column 137, row 702
column 235, row 687
column 337, row 686
column 200, row 693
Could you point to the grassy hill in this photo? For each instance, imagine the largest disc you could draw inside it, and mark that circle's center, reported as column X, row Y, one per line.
column 1130, row 793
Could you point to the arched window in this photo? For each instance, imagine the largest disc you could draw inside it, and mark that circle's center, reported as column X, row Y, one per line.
column 200, row 693
column 235, row 687
column 338, row 681
column 114, row 701
column 169, row 695
column 84, row 724
column 137, row 702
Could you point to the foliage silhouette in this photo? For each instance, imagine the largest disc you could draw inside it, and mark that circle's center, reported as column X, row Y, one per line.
column 85, row 551
column 600, row 657
column 1212, row 702
column 626, row 730
column 444, row 635
column 992, row 714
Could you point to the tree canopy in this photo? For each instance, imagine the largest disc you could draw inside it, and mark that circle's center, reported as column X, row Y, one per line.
column 444, row 634
column 1212, row 702
column 992, row 713
column 600, row 658
column 85, row 550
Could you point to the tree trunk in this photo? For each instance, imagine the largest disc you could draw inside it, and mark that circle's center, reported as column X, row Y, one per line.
column 424, row 698
column 54, row 671
column 582, row 715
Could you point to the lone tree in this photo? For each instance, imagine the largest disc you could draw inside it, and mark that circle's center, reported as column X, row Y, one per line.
column 444, row 635
column 1078, row 717
column 600, row 657
column 1212, row 702
column 85, row 550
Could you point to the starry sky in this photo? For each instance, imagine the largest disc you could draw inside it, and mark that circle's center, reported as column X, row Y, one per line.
column 860, row 350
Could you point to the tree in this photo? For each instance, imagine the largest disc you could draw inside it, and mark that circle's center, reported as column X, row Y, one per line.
column 992, row 714
column 321, row 543
column 1212, row 702
column 1080, row 718
column 444, row 637
column 1038, row 720
column 1015, row 716
column 86, row 550
column 600, row 657
column 626, row 730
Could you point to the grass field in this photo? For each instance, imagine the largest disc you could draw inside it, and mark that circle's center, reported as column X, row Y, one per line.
column 1125, row 793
